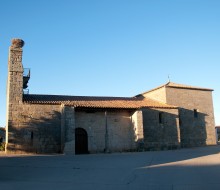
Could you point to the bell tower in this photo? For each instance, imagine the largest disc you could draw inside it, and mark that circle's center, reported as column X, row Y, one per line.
column 14, row 89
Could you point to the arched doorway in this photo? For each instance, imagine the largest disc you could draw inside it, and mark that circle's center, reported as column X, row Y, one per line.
column 81, row 141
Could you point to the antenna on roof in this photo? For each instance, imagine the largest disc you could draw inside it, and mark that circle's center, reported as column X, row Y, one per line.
column 168, row 78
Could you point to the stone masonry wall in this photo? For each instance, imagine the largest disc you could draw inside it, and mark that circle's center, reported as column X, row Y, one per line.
column 117, row 125
column 68, row 126
column 14, row 90
column 161, row 129
column 36, row 129
column 94, row 124
column 121, row 131
column 137, row 122
column 158, row 95
column 195, row 131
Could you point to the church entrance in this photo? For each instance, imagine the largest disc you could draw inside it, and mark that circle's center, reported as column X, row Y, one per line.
column 81, row 141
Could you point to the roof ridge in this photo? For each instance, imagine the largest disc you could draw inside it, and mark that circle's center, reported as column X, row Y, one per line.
column 79, row 96
column 153, row 89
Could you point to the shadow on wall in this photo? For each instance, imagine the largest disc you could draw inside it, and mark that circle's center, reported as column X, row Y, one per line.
column 165, row 130
column 161, row 129
column 192, row 128
column 2, row 134
column 192, row 124
column 35, row 135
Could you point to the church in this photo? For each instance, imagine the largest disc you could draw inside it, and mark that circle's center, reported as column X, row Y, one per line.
column 170, row 116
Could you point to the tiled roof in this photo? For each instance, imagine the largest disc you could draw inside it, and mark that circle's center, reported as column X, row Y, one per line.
column 94, row 102
column 175, row 85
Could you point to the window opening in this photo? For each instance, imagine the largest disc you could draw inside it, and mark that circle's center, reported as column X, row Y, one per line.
column 195, row 113
column 32, row 135
column 160, row 117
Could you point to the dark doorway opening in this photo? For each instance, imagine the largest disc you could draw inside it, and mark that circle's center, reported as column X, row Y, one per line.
column 81, row 141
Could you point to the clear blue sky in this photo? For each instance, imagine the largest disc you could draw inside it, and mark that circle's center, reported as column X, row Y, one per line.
column 112, row 47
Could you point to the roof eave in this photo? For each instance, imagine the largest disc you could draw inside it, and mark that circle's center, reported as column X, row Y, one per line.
column 164, row 85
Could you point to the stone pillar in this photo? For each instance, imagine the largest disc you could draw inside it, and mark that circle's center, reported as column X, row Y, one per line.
column 14, row 90
column 69, row 142
column 106, row 133
column 178, row 130
column 62, row 128
column 137, row 120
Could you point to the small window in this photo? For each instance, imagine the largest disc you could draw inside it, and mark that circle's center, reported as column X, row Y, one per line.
column 160, row 117
column 180, row 122
column 195, row 113
column 32, row 135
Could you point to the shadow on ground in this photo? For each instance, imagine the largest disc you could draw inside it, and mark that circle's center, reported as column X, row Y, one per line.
column 196, row 168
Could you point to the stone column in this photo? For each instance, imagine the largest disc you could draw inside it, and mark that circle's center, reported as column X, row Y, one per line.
column 62, row 128
column 137, row 120
column 69, row 142
column 106, row 133
column 178, row 130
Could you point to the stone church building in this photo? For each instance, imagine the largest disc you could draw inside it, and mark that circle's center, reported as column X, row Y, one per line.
column 167, row 117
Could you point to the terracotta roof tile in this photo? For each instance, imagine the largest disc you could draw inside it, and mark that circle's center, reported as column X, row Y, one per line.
column 94, row 102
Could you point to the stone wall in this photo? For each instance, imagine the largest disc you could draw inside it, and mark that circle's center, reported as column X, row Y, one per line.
column 158, row 95
column 137, row 122
column 94, row 124
column 35, row 129
column 51, row 129
column 110, row 131
column 120, row 131
column 161, row 129
column 14, row 91
column 68, row 126
column 198, row 128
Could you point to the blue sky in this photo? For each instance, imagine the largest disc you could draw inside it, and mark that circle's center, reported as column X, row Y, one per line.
column 112, row 47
